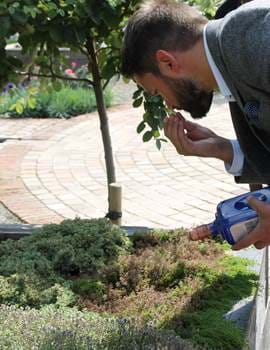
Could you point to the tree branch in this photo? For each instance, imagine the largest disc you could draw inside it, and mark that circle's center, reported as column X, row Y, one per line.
column 108, row 80
column 106, row 48
column 40, row 75
column 106, row 84
column 84, row 52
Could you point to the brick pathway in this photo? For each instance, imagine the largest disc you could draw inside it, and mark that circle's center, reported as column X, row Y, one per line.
column 56, row 170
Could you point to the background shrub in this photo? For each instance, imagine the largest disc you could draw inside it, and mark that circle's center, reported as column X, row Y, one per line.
column 65, row 103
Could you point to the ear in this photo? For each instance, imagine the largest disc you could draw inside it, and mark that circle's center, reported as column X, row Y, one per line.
column 168, row 64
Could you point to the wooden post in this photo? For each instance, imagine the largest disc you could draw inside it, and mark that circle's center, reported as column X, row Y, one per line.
column 115, row 203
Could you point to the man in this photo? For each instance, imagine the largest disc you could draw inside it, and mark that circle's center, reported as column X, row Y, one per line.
column 172, row 50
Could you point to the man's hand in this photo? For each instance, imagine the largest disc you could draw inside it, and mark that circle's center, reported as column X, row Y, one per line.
column 192, row 139
column 260, row 236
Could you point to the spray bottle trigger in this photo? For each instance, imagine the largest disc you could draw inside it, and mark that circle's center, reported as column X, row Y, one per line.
column 243, row 204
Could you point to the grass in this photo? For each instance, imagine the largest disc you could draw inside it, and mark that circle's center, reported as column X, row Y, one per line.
column 202, row 320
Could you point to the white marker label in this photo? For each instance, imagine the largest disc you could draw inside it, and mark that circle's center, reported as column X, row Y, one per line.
column 242, row 228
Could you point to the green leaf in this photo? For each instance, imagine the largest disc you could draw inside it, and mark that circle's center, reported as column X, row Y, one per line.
column 137, row 94
column 33, row 90
column 15, row 61
column 57, row 85
column 156, row 133
column 42, row 60
column 20, row 17
column 52, row 14
column 32, row 102
column 5, row 26
column 56, row 33
column 19, row 107
column 158, row 144
column 29, row 29
column 115, row 40
column 137, row 102
column 108, row 70
column 125, row 80
column 61, row 12
column 93, row 14
column 110, row 17
column 140, row 127
column 51, row 5
column 147, row 136
column 146, row 116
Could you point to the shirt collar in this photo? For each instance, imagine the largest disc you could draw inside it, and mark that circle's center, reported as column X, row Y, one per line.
column 223, row 87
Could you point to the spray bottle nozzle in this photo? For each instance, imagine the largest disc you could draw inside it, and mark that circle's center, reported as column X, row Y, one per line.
column 213, row 229
column 200, row 232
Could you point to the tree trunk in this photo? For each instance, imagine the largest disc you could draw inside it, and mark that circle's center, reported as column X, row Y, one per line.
column 104, row 124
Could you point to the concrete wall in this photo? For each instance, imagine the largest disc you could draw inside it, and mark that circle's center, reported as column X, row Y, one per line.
column 258, row 334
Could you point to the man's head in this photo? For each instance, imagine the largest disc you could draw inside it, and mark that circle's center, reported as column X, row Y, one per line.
column 157, row 43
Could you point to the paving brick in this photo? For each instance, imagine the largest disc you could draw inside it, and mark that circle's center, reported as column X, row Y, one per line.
column 58, row 171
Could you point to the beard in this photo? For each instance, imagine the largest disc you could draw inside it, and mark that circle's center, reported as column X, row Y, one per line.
column 190, row 97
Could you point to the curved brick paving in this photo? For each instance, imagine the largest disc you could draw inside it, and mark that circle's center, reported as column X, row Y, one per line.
column 57, row 171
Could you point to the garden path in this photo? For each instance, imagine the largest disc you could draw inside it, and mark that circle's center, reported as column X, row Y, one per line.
column 55, row 169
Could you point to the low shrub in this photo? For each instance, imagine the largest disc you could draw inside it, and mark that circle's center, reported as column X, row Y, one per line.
column 33, row 268
column 64, row 103
column 67, row 328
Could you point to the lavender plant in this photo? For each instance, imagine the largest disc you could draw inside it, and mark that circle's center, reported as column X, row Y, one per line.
column 69, row 329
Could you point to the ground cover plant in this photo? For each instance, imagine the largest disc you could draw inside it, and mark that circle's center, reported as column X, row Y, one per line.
column 158, row 278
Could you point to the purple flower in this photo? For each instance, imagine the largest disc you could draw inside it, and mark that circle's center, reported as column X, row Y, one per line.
column 9, row 86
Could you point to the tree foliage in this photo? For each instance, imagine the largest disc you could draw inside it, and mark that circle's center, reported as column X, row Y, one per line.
column 44, row 26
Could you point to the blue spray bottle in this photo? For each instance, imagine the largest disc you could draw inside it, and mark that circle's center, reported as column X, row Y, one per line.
column 234, row 217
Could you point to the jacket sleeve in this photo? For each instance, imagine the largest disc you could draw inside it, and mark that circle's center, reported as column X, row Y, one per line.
column 256, row 167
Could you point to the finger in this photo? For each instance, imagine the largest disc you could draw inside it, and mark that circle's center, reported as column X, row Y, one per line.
column 199, row 232
column 180, row 116
column 260, row 244
column 185, row 143
column 168, row 126
column 190, row 126
column 174, row 133
column 259, row 206
column 165, row 127
column 250, row 238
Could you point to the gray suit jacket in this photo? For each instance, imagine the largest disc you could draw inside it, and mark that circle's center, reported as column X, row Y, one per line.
column 240, row 46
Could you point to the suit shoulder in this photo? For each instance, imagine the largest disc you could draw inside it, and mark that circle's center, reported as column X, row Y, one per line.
column 244, row 41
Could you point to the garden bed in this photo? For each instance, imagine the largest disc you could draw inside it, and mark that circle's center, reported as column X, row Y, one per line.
column 157, row 281
column 67, row 102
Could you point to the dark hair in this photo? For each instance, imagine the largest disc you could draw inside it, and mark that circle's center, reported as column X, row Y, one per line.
column 158, row 24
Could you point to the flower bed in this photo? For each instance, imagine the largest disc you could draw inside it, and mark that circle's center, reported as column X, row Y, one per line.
column 39, row 98
column 65, row 103
column 159, row 279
